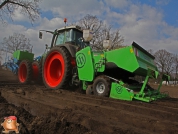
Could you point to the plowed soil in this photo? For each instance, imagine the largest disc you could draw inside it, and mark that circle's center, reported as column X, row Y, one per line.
column 43, row 111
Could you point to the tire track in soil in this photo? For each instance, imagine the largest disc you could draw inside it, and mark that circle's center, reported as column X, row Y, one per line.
column 74, row 116
column 173, row 117
column 93, row 112
column 30, row 124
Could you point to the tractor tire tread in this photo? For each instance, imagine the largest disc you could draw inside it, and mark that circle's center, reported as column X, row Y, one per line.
column 68, row 68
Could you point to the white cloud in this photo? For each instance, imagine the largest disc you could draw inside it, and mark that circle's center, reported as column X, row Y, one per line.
column 168, row 44
column 51, row 24
column 19, row 16
column 145, row 25
column 170, row 31
column 9, row 29
column 117, row 3
column 140, row 23
column 73, row 10
column 162, row 2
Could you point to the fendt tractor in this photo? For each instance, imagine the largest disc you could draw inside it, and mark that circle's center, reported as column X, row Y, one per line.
column 108, row 73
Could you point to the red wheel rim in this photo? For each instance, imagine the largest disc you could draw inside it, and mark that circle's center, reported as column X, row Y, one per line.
column 35, row 71
column 22, row 72
column 54, row 68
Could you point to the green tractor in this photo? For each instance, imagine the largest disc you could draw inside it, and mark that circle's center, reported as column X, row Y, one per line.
column 59, row 66
column 70, row 60
column 60, row 57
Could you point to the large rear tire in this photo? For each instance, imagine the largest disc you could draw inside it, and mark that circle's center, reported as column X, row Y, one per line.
column 25, row 72
column 37, row 72
column 57, row 68
column 101, row 86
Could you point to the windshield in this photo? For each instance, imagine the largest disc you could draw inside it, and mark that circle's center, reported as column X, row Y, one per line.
column 61, row 38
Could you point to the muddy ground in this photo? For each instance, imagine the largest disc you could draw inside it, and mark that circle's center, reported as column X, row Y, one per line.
column 41, row 111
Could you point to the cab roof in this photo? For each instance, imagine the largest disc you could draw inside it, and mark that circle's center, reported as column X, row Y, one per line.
column 70, row 27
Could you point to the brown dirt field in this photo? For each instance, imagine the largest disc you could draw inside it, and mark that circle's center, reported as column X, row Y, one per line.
column 41, row 111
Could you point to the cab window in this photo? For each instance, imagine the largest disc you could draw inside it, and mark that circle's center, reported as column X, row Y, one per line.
column 61, row 39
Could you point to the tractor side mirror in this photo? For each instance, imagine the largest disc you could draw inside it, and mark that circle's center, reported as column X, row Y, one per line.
column 40, row 35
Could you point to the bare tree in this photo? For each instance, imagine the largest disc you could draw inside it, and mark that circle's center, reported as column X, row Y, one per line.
column 105, row 33
column 164, row 61
column 116, row 39
column 100, row 32
column 27, row 7
column 16, row 42
column 93, row 23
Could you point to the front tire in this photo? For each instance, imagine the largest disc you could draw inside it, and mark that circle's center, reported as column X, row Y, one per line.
column 101, row 86
column 57, row 68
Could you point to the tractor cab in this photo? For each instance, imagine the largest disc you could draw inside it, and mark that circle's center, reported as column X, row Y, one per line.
column 72, row 35
column 68, row 35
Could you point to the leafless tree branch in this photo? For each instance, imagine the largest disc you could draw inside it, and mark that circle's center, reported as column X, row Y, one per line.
column 16, row 42
column 164, row 61
column 27, row 7
column 100, row 32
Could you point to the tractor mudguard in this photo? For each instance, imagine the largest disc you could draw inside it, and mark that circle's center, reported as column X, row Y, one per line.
column 71, row 48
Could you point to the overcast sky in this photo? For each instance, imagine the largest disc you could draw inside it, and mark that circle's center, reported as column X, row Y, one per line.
column 153, row 24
